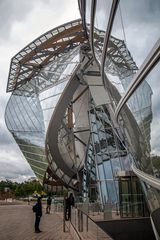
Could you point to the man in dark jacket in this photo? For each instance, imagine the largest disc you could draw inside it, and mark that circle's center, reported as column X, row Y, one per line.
column 70, row 203
column 38, row 215
column 49, row 202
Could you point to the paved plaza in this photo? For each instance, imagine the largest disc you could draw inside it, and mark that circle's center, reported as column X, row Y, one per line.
column 17, row 223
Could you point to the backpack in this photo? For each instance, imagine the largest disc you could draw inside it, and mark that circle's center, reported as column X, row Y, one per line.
column 49, row 201
column 34, row 208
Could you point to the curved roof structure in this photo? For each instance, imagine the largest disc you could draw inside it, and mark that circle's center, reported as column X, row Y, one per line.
column 43, row 78
column 28, row 63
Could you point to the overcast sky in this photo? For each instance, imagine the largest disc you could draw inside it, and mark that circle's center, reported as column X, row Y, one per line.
column 21, row 22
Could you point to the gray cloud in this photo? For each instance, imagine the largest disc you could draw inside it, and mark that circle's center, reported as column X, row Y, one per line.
column 15, row 166
column 10, row 12
column 142, row 11
column 141, row 26
column 17, row 11
column 5, row 137
column 9, row 170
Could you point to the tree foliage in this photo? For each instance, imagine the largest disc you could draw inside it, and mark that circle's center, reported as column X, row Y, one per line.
column 21, row 189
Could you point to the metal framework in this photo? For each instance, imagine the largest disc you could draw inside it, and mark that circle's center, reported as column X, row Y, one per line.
column 49, row 47
column 119, row 60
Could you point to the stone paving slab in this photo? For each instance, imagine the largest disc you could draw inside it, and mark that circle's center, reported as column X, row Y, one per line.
column 17, row 223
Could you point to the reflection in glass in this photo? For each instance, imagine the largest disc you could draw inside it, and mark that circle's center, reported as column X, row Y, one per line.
column 103, row 8
column 145, row 102
column 140, row 26
column 109, row 153
column 31, row 106
column 126, row 43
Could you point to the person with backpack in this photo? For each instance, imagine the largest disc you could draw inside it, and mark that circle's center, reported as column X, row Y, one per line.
column 37, row 208
column 49, row 202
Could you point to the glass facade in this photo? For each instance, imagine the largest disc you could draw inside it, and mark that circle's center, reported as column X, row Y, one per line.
column 132, row 40
column 24, row 118
column 131, row 198
column 32, row 102
column 63, row 114
column 147, row 120
column 139, row 31
column 100, row 25
column 145, row 99
column 108, row 151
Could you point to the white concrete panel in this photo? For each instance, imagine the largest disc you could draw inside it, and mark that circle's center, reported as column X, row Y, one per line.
column 99, row 94
column 93, row 80
column 97, row 90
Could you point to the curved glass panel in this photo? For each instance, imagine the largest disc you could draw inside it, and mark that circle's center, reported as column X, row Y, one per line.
column 58, row 73
column 153, row 196
column 133, row 35
column 138, row 25
column 24, row 118
column 144, row 105
column 29, row 109
column 102, row 13
column 38, row 76
column 110, row 155
column 65, row 141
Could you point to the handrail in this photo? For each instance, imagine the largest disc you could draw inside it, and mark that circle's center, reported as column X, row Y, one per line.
column 147, row 178
column 86, row 227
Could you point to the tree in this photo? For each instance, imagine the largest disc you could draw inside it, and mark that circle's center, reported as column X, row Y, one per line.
column 22, row 189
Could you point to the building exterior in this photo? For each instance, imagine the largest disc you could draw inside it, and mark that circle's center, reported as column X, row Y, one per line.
column 84, row 105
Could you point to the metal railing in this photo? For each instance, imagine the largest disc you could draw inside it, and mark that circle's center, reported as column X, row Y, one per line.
column 99, row 212
column 108, row 211
column 113, row 211
column 85, row 215
column 86, row 227
column 82, row 223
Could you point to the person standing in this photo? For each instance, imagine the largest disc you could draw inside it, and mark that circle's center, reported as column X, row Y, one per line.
column 70, row 202
column 38, row 215
column 49, row 202
column 66, row 208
